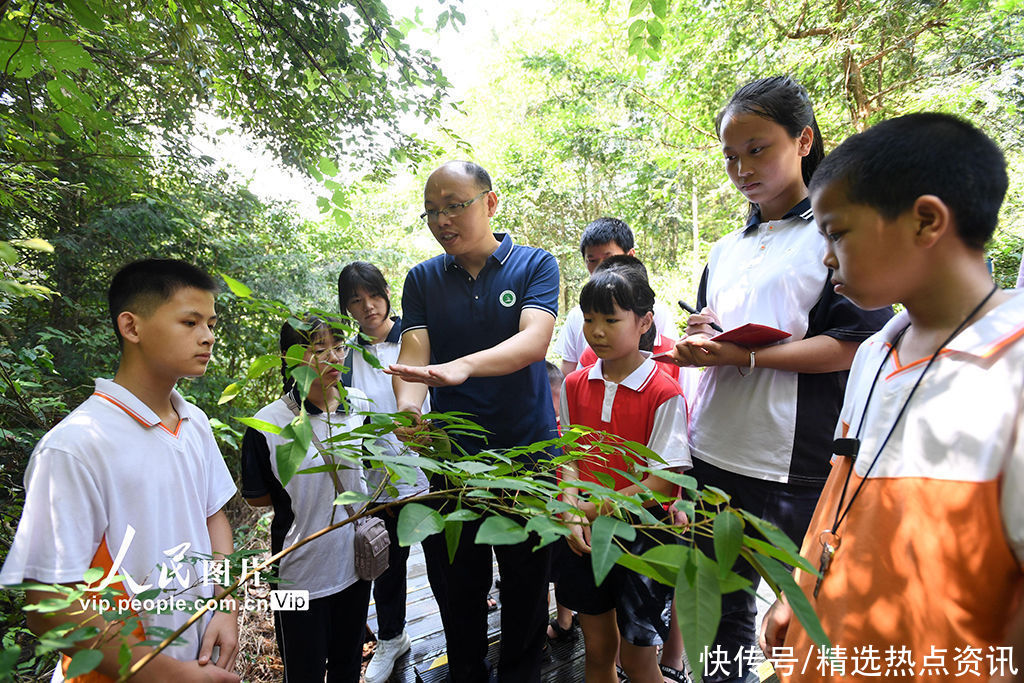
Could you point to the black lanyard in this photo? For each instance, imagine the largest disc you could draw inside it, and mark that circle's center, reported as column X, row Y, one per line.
column 828, row 549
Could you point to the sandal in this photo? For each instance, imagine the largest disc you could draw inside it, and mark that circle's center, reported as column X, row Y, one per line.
column 623, row 678
column 562, row 634
column 674, row 674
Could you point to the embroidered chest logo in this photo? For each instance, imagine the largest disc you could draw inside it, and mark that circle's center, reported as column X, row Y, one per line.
column 507, row 298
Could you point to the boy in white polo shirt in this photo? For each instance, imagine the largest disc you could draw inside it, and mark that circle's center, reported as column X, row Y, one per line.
column 132, row 481
column 919, row 532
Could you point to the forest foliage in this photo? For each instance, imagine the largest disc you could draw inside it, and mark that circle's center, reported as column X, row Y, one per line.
column 580, row 109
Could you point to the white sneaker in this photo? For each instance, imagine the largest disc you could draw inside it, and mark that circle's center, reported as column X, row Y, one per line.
column 384, row 657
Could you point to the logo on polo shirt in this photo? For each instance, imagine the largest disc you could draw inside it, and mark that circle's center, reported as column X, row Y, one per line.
column 507, row 298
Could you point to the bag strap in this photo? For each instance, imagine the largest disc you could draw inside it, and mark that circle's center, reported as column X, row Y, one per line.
column 293, row 406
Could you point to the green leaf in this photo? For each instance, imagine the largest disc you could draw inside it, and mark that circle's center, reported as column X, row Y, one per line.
column 236, row 287
column 636, row 7
column 350, row 498
column 452, row 534
column 60, row 51
column 291, row 453
column 327, row 167
column 660, row 8
column 795, row 596
column 9, row 657
column 93, row 575
column 304, row 377
column 260, row 425
column 765, row 548
column 417, row 521
column 462, row 515
column 698, row 604
column 655, row 28
column 499, row 530
column 84, row 15
column 83, row 662
column 473, row 467
column 604, row 551
column 124, row 659
column 728, row 540
column 7, row 253
column 261, row 365
column 548, row 529
column 714, row 495
column 664, row 562
column 636, row 28
column 772, row 533
column 230, row 391
column 35, row 244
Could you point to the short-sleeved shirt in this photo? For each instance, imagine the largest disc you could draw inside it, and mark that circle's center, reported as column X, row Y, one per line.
column 463, row 315
column 110, row 480
column 932, row 548
column 646, row 407
column 774, row 424
column 305, row 505
column 571, row 344
column 376, row 384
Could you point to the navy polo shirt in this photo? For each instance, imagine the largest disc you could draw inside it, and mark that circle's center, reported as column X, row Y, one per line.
column 463, row 315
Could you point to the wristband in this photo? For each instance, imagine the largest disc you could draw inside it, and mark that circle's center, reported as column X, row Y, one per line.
column 753, row 363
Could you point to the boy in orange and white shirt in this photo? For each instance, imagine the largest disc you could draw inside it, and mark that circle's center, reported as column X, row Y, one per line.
column 132, row 481
column 919, row 533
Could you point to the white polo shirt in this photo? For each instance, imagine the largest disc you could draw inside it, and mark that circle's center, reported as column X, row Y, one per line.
column 111, row 486
column 773, row 424
column 376, row 384
column 324, row 566
column 571, row 343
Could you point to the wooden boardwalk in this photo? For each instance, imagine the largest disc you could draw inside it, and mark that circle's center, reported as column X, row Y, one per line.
column 425, row 662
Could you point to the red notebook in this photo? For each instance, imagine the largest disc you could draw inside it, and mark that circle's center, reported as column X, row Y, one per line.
column 752, row 335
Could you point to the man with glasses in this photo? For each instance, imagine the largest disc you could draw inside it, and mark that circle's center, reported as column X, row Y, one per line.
column 478, row 321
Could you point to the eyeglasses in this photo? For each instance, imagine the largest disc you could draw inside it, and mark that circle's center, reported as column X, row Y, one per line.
column 323, row 353
column 452, row 210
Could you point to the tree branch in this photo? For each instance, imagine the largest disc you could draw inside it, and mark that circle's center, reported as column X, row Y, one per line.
column 671, row 115
column 935, row 23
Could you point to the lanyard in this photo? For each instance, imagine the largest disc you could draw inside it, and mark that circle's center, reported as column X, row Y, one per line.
column 830, row 537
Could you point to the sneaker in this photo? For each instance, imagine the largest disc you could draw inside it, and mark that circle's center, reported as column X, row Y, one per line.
column 384, row 658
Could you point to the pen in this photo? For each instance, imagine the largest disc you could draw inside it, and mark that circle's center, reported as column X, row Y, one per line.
column 693, row 311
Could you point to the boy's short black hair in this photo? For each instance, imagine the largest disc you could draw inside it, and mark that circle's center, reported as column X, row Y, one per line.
column 890, row 165
column 142, row 286
column 361, row 274
column 605, row 230
column 555, row 374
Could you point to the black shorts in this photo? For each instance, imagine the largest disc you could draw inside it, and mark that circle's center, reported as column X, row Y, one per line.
column 642, row 605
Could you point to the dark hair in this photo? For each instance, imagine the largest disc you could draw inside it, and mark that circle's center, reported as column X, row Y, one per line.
column 786, row 102
column 890, row 165
column 310, row 328
column 625, row 286
column 555, row 375
column 605, row 230
column 624, row 261
column 361, row 274
column 142, row 286
column 474, row 170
